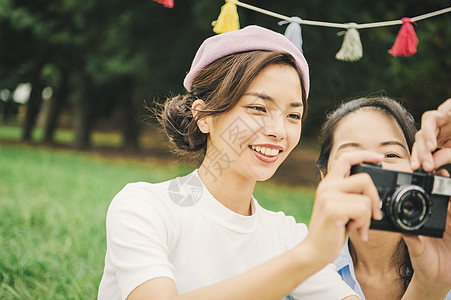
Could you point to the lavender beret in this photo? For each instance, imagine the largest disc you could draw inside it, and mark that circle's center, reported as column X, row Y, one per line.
column 247, row 39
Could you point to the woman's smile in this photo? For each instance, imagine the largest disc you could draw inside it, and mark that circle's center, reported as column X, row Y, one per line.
column 266, row 153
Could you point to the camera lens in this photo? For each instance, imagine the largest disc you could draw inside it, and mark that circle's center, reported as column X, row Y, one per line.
column 409, row 207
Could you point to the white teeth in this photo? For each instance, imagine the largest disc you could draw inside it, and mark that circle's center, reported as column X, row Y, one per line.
column 265, row 151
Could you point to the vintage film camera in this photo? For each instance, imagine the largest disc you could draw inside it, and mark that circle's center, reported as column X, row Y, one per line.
column 412, row 203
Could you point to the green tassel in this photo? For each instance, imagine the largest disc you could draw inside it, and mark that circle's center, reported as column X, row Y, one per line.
column 351, row 49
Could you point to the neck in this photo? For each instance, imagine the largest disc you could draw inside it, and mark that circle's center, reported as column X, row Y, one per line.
column 230, row 190
column 374, row 256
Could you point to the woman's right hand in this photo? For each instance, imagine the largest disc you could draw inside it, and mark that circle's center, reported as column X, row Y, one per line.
column 343, row 204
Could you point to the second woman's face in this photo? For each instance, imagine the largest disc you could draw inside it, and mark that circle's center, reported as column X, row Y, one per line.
column 255, row 137
column 369, row 129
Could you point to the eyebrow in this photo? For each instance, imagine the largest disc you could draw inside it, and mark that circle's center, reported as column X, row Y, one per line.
column 394, row 143
column 348, row 145
column 387, row 143
column 265, row 97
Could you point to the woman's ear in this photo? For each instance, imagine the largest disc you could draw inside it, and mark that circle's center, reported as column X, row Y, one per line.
column 202, row 123
column 323, row 173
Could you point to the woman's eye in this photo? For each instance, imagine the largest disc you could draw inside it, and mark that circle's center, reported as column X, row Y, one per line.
column 295, row 116
column 257, row 108
column 392, row 155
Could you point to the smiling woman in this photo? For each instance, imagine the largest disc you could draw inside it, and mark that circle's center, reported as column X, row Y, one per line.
column 204, row 235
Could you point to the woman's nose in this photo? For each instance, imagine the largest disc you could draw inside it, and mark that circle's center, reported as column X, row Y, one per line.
column 275, row 126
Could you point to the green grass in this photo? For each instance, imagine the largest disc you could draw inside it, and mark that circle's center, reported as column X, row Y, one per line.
column 52, row 217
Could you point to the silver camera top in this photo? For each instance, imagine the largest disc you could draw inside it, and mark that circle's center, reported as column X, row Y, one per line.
column 441, row 186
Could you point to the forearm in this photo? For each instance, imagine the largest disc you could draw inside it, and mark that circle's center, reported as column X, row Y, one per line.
column 271, row 280
column 418, row 289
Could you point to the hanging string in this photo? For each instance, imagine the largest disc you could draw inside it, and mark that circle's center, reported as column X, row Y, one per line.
column 340, row 25
column 351, row 49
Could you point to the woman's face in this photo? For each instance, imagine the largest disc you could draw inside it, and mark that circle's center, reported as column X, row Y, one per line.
column 256, row 136
column 373, row 130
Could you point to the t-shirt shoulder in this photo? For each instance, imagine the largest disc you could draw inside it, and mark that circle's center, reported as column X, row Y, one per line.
column 143, row 200
column 146, row 192
column 167, row 197
column 141, row 193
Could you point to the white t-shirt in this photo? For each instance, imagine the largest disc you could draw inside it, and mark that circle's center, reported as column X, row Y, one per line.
column 177, row 229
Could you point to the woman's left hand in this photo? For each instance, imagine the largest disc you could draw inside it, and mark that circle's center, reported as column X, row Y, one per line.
column 435, row 133
column 431, row 257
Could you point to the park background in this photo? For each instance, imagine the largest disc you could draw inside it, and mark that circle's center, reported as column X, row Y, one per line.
column 75, row 77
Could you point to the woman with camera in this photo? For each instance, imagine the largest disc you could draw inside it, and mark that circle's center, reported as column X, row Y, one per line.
column 204, row 236
column 389, row 265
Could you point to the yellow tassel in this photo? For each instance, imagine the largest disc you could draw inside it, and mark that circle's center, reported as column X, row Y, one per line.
column 228, row 18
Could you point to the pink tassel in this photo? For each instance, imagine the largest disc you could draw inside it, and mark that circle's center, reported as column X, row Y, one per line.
column 166, row 3
column 406, row 41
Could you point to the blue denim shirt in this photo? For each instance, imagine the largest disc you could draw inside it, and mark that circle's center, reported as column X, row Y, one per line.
column 345, row 267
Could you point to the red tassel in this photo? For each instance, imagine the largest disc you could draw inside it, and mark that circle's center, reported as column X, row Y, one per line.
column 166, row 3
column 406, row 41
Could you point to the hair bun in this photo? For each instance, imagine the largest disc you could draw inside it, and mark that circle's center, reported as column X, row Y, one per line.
column 180, row 126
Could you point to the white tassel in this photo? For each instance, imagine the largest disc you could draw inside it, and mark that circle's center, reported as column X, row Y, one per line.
column 293, row 31
column 351, row 49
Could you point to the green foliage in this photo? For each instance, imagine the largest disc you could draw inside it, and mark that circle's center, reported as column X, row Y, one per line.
column 62, row 136
column 153, row 47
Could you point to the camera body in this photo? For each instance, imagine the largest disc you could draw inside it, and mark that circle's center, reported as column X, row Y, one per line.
column 412, row 203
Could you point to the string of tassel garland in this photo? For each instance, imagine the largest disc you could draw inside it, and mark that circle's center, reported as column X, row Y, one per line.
column 351, row 50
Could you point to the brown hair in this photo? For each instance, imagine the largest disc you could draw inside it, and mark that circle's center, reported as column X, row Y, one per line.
column 220, row 85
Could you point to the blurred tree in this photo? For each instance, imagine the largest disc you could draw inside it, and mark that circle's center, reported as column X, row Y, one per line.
column 60, row 94
column 16, row 65
column 105, row 58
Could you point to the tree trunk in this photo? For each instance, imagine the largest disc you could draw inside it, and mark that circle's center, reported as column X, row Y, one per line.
column 33, row 105
column 128, row 119
column 84, row 113
column 9, row 108
column 56, row 104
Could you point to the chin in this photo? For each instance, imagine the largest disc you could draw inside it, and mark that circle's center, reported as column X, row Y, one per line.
column 264, row 175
